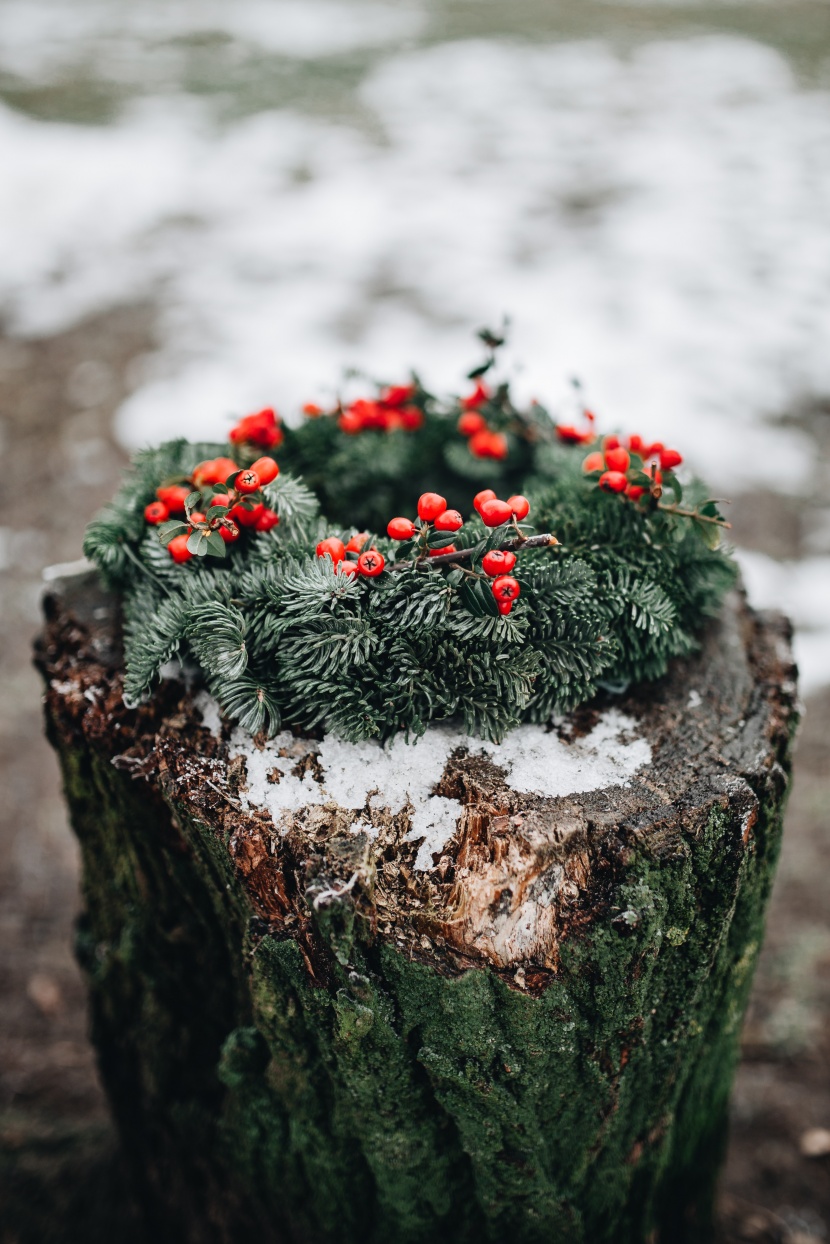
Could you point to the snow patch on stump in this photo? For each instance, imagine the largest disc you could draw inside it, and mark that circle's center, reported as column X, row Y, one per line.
column 401, row 775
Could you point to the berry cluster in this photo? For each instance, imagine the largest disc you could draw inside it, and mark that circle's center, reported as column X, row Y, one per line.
column 393, row 410
column 262, row 430
column 483, row 441
column 429, row 538
column 232, row 498
column 352, row 558
column 630, row 466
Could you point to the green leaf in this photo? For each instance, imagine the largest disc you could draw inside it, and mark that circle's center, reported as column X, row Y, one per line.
column 671, row 481
column 192, row 500
column 167, row 531
column 216, row 511
column 196, row 543
column 216, row 546
column 217, row 636
column 439, row 541
column 477, row 372
column 454, row 577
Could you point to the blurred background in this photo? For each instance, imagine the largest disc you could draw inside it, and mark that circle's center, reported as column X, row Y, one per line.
column 206, row 208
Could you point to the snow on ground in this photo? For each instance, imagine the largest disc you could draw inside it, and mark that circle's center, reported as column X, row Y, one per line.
column 653, row 218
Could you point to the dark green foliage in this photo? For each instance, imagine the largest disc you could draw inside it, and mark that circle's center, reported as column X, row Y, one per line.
column 281, row 637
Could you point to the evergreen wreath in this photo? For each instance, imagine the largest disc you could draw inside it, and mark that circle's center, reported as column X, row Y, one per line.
column 224, row 558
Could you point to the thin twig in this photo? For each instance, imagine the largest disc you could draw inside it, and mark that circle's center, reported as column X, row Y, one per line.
column 465, row 555
column 703, row 518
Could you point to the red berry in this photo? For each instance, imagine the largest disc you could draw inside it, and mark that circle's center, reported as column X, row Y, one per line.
column 371, row 563
column 652, row 451
column 260, row 429
column 594, row 462
column 610, row 442
column 488, row 444
column 178, row 550
column 478, row 397
column 267, row 520
column 634, row 491
column 670, row 458
column 400, row 528
column 494, row 513
column 246, row 518
column 471, row 422
column 229, row 532
column 213, row 471
column 504, row 606
column 613, row 481
column 357, row 542
column 266, row 469
column 333, row 548
column 174, row 497
column 196, row 516
column 505, row 587
column 398, row 395
column 312, row 410
column 247, row 481
column 449, row 548
column 636, row 444
column 350, row 423
column 411, row 418
column 450, row 520
column 519, row 505
column 156, row 512
column 430, row 505
column 498, row 561
column 346, row 567
column 618, row 459
column 481, row 497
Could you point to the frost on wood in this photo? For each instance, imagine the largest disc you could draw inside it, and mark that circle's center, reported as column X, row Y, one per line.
column 444, row 991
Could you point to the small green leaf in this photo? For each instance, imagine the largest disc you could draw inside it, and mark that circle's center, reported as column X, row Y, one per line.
column 167, row 531
column 196, row 543
column 215, row 545
column 216, row 511
column 192, row 500
column 454, row 577
column 439, row 541
column 477, row 372
column 671, row 481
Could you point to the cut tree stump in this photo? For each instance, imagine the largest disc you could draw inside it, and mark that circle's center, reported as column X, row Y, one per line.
column 447, row 992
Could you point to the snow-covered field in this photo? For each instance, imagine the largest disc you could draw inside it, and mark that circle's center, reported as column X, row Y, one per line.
column 302, row 185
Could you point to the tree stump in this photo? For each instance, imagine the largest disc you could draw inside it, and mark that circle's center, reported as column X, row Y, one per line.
column 448, row 991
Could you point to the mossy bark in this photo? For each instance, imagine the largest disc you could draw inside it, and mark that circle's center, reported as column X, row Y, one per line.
column 290, row 1060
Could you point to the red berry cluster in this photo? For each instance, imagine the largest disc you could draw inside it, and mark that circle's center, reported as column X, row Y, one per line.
column 494, row 512
column 392, row 411
column 240, row 505
column 352, row 558
column 498, row 562
column 262, row 429
column 483, row 441
column 630, row 466
column 434, row 515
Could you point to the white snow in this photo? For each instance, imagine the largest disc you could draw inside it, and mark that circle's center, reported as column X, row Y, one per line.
column 802, row 590
column 403, row 775
column 653, row 217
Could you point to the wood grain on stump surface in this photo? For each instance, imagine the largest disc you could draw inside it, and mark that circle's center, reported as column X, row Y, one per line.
column 450, row 990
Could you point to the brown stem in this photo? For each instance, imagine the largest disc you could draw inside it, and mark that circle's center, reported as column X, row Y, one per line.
column 465, row 555
column 703, row 518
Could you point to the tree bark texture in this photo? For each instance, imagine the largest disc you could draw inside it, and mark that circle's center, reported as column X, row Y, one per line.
column 305, row 1036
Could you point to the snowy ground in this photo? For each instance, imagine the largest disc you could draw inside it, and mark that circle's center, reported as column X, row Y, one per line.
column 302, row 186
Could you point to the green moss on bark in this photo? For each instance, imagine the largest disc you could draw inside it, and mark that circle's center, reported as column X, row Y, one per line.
column 379, row 1098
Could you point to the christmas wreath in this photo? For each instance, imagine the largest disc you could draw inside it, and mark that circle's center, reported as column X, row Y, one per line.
column 410, row 559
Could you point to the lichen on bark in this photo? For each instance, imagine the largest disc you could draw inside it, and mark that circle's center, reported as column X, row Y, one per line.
column 303, row 1036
